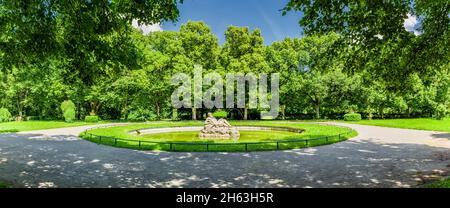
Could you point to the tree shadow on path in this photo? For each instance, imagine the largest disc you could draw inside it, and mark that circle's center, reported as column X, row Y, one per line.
column 32, row 161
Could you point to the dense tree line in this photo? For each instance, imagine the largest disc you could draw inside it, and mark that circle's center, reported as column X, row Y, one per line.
column 97, row 60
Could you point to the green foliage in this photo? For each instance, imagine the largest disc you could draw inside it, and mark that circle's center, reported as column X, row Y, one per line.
column 352, row 117
column 69, row 115
column 220, row 114
column 441, row 111
column 174, row 114
column 91, row 39
column 66, row 105
column 135, row 116
column 97, row 60
column 91, row 119
column 142, row 115
column 377, row 37
column 5, row 115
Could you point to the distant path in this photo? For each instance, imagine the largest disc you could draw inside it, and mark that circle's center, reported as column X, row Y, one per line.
column 69, row 131
column 378, row 157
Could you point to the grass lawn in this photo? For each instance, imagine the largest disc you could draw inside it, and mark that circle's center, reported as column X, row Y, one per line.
column 315, row 134
column 9, row 127
column 440, row 184
column 417, row 123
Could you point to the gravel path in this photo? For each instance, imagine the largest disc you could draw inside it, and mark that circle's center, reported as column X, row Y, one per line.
column 378, row 157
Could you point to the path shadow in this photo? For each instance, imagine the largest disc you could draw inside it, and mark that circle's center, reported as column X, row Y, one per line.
column 441, row 136
column 79, row 163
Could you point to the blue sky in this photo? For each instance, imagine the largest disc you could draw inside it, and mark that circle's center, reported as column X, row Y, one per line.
column 219, row 14
column 262, row 14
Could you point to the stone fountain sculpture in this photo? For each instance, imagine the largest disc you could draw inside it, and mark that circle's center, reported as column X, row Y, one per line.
column 218, row 129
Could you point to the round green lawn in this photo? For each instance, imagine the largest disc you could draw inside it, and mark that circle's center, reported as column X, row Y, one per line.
column 254, row 140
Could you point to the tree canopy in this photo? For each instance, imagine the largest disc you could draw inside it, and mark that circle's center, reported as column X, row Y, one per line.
column 355, row 57
column 375, row 32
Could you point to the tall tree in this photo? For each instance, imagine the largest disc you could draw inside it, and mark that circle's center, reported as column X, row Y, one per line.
column 201, row 47
column 244, row 52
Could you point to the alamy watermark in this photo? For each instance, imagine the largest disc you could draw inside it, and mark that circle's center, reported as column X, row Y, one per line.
column 190, row 91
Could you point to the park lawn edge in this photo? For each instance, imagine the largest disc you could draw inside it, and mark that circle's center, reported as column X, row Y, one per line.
column 23, row 126
column 424, row 124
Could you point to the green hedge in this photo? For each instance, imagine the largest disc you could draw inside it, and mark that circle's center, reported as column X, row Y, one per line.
column 220, row 114
column 352, row 117
column 5, row 115
column 91, row 119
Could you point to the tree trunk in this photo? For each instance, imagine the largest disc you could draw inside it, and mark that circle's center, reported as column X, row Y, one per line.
column 78, row 113
column 245, row 113
column 317, row 106
column 317, row 111
column 194, row 114
column 381, row 111
column 174, row 114
column 125, row 111
column 199, row 114
column 95, row 106
column 19, row 109
column 158, row 111
column 283, row 111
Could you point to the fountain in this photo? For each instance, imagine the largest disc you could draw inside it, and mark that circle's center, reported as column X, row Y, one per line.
column 218, row 129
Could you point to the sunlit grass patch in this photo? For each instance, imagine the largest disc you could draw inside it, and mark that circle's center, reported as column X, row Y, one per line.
column 416, row 123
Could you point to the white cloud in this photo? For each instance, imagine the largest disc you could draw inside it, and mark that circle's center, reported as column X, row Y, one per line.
column 146, row 29
column 411, row 23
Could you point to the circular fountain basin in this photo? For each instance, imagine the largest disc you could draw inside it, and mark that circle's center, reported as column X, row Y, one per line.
column 190, row 133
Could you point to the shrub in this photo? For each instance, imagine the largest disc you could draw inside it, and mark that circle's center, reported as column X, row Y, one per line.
column 5, row 115
column 142, row 115
column 352, row 117
column 68, row 110
column 440, row 112
column 92, row 119
column 220, row 114
column 136, row 116
column 69, row 115
column 67, row 105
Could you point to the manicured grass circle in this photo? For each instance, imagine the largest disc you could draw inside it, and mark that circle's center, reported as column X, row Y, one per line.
column 314, row 135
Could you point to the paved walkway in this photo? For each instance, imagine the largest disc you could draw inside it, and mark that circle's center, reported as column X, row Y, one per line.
column 378, row 157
